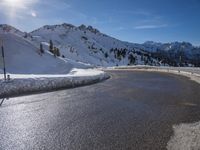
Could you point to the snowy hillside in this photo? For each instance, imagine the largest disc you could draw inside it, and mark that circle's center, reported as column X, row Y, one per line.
column 89, row 45
column 22, row 56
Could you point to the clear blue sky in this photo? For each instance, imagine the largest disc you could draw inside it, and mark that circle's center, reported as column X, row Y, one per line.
column 128, row 20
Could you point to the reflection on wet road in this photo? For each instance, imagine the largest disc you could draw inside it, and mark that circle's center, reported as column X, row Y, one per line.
column 132, row 110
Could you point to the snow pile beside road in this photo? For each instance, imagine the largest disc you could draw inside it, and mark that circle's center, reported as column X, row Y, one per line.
column 186, row 137
column 23, row 84
column 192, row 73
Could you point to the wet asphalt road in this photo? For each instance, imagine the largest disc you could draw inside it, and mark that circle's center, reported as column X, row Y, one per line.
column 133, row 110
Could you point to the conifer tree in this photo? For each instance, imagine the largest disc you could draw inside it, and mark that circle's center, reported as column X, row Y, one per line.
column 106, row 55
column 57, row 52
column 51, row 48
column 131, row 59
column 41, row 48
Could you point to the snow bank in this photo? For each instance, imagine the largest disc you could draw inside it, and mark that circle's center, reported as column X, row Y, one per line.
column 192, row 73
column 186, row 136
column 24, row 84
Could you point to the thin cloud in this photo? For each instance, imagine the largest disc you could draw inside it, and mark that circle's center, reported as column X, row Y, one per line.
column 120, row 28
column 133, row 12
column 150, row 26
column 142, row 12
column 55, row 5
column 97, row 21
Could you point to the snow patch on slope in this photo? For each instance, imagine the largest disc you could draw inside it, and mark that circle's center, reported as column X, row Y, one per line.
column 25, row 58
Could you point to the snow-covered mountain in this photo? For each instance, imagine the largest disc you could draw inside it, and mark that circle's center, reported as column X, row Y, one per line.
column 154, row 46
column 88, row 45
column 83, row 47
column 177, row 52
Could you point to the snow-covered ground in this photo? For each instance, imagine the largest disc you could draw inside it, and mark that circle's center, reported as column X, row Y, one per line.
column 72, row 73
column 186, row 136
column 22, row 57
column 23, row 84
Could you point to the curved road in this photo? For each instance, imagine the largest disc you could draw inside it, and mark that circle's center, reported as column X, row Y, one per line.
column 132, row 110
